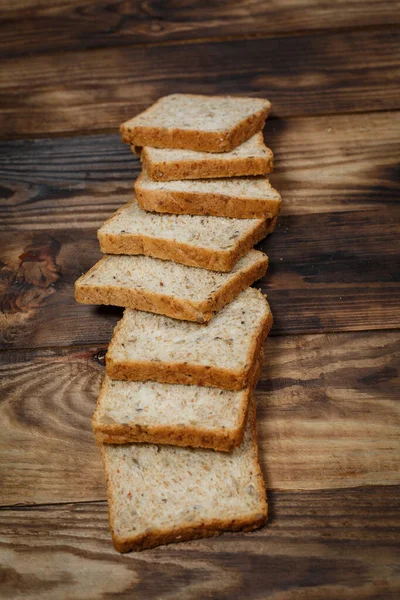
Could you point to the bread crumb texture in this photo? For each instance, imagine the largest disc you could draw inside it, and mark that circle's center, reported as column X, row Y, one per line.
column 196, row 112
column 149, row 403
column 162, row 277
column 257, row 188
column 226, row 342
column 214, row 233
column 161, row 493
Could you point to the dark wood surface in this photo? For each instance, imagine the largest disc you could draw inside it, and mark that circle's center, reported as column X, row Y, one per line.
column 333, row 72
column 328, row 397
column 328, row 544
column 78, row 25
column 327, row 411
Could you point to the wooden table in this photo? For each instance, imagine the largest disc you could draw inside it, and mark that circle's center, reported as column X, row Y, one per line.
column 328, row 398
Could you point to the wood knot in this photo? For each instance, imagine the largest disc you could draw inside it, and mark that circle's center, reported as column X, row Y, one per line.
column 28, row 285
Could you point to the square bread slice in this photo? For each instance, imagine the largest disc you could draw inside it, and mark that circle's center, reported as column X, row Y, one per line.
column 237, row 197
column 166, row 287
column 250, row 158
column 196, row 122
column 165, row 413
column 213, row 243
column 221, row 354
column 163, row 494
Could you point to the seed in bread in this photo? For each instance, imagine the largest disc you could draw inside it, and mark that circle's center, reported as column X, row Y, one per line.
column 223, row 353
column 166, row 287
column 213, row 243
column 164, row 413
column 196, row 122
column 163, row 494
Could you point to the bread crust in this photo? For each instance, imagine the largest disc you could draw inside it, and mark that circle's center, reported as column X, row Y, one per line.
column 183, row 253
column 177, row 308
column 204, row 529
column 194, row 203
column 200, row 169
column 183, row 534
column 190, row 374
column 203, row 141
column 222, row 440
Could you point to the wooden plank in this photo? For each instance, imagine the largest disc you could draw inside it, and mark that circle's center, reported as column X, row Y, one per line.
column 29, row 27
column 47, row 448
column 338, row 545
column 328, row 417
column 323, row 164
column 334, row 272
column 328, row 410
column 328, row 272
column 354, row 71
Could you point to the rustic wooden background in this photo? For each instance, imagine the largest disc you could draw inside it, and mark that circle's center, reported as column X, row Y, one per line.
column 328, row 399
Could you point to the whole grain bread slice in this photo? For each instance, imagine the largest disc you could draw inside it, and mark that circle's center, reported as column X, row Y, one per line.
column 237, row 197
column 166, row 287
column 250, row 158
column 213, row 243
column 163, row 494
column 165, row 413
column 223, row 353
column 197, row 122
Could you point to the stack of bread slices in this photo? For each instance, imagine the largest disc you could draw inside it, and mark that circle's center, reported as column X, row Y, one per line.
column 175, row 420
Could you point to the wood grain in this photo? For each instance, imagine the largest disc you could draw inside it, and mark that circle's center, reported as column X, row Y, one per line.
column 47, row 401
column 327, row 411
column 338, row 545
column 328, row 272
column 29, row 27
column 356, row 71
column 323, row 164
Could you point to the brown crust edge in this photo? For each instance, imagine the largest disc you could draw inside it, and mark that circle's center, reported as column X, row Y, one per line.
column 183, row 253
column 203, row 141
column 216, row 205
column 212, row 528
column 176, row 308
column 222, row 440
column 198, row 169
column 190, row 374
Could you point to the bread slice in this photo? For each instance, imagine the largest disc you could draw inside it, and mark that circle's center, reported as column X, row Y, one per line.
column 221, row 354
column 195, row 122
column 165, row 287
column 164, row 413
column 162, row 494
column 250, row 158
column 213, row 243
column 238, row 197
